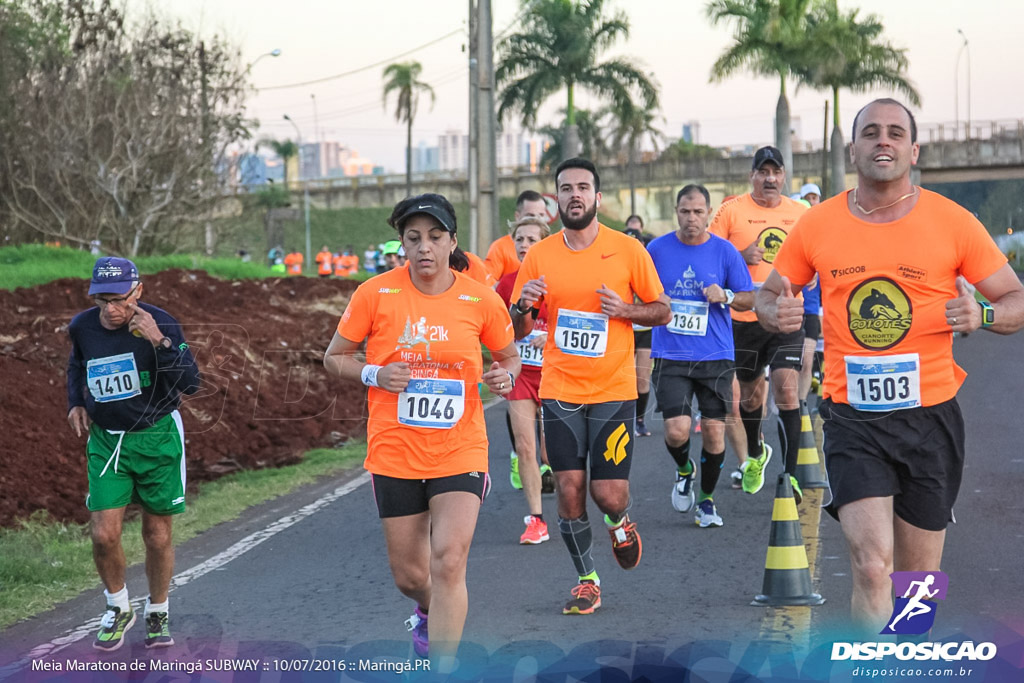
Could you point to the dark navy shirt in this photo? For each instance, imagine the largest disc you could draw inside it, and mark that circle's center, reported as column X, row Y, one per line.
column 124, row 382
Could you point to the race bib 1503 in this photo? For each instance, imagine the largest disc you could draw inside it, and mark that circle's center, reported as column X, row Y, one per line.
column 883, row 383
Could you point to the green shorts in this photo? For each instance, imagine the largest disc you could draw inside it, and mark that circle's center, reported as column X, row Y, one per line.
column 149, row 469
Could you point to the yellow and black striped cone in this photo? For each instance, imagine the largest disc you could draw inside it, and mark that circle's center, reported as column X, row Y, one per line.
column 808, row 465
column 787, row 577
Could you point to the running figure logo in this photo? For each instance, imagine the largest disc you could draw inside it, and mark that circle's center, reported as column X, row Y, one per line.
column 914, row 612
column 414, row 333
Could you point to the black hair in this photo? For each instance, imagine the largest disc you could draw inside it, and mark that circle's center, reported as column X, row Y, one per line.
column 579, row 162
column 694, row 189
column 458, row 259
column 636, row 217
column 887, row 100
column 528, row 196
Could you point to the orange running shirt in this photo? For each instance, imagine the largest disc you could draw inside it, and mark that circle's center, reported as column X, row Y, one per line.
column 742, row 220
column 440, row 337
column 502, row 258
column 597, row 365
column 294, row 262
column 478, row 271
column 324, row 260
column 884, row 288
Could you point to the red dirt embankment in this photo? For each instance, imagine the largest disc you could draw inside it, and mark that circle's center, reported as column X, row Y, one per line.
column 265, row 397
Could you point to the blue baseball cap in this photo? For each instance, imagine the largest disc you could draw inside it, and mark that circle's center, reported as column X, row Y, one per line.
column 112, row 275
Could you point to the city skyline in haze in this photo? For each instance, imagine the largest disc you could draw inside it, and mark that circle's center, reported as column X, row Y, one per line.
column 674, row 42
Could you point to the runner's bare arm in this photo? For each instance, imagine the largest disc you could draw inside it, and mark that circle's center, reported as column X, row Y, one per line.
column 657, row 312
column 742, row 301
column 1006, row 294
column 340, row 361
column 778, row 309
column 506, row 363
column 521, row 311
column 79, row 420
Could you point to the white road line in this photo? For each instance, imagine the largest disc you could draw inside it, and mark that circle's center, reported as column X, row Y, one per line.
column 219, row 560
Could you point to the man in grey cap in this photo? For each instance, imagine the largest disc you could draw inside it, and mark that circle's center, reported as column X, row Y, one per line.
column 757, row 224
column 128, row 367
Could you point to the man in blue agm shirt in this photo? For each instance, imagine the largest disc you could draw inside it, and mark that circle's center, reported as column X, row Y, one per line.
column 129, row 366
column 703, row 275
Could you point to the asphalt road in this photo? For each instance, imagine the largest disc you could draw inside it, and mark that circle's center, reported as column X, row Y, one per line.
column 319, row 590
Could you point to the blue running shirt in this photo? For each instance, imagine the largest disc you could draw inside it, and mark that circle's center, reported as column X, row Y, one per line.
column 685, row 271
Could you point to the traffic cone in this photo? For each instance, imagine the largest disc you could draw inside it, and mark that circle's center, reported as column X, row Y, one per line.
column 808, row 465
column 787, row 577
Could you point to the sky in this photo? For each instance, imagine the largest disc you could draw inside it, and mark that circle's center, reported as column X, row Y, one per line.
column 670, row 39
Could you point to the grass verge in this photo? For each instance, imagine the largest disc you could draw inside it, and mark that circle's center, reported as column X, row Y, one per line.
column 43, row 562
column 29, row 265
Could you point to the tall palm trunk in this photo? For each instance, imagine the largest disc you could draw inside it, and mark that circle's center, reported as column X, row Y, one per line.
column 571, row 141
column 838, row 149
column 408, row 157
column 783, row 139
column 631, row 163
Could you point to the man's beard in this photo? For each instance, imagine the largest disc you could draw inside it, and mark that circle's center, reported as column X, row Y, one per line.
column 580, row 223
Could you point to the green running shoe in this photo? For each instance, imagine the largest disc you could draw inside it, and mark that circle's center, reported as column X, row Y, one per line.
column 513, row 474
column 753, row 470
column 798, row 495
column 112, row 627
column 157, row 633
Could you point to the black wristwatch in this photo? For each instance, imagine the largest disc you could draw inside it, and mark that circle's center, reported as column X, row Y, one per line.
column 515, row 309
column 988, row 314
column 166, row 343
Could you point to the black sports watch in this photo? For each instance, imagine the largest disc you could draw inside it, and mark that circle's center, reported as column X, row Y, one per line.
column 515, row 309
column 988, row 314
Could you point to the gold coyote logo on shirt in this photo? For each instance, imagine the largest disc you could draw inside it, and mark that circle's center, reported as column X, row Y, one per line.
column 771, row 240
column 879, row 314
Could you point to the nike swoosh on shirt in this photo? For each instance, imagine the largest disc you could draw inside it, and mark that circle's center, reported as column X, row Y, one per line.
column 604, row 256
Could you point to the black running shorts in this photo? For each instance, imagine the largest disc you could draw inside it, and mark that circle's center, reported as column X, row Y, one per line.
column 812, row 326
column 642, row 339
column 676, row 382
column 756, row 347
column 914, row 455
column 599, row 432
column 403, row 497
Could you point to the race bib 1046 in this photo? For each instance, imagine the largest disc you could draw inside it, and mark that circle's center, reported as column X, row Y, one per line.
column 581, row 333
column 432, row 403
column 883, row 383
column 114, row 378
column 689, row 318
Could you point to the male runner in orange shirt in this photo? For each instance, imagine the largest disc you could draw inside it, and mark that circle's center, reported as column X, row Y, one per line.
column 586, row 274
column 757, row 225
column 891, row 259
column 501, row 257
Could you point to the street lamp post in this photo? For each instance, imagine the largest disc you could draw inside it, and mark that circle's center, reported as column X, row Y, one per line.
column 305, row 193
column 276, row 52
column 956, row 84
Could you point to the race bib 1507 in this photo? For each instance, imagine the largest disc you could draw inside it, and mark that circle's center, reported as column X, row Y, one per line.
column 581, row 333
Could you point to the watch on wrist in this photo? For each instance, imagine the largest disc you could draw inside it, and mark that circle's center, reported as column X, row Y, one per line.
column 166, row 343
column 988, row 314
column 511, row 379
column 729, row 297
column 516, row 309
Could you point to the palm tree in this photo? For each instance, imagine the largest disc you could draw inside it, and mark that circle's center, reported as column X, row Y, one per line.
column 628, row 127
column 769, row 40
column 848, row 52
column 589, row 137
column 404, row 79
column 286, row 149
column 559, row 47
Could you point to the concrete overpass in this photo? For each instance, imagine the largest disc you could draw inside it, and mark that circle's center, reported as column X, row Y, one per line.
column 989, row 150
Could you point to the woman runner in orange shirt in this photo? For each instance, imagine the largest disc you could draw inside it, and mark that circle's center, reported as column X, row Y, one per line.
column 427, row 443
